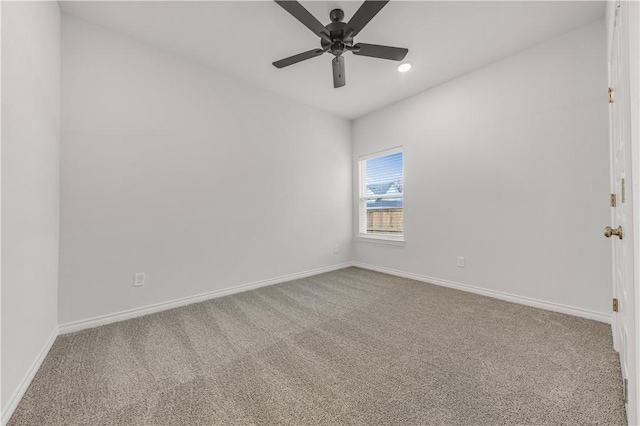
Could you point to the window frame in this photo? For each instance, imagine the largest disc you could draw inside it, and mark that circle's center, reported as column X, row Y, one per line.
column 363, row 235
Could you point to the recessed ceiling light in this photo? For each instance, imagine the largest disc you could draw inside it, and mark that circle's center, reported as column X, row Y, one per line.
column 404, row 67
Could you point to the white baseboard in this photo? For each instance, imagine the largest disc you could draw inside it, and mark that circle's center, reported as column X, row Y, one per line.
column 70, row 327
column 28, row 377
column 528, row 301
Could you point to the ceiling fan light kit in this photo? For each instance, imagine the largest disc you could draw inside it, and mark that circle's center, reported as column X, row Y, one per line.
column 337, row 37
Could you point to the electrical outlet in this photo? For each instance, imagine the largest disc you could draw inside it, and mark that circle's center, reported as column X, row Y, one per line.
column 460, row 262
column 139, row 279
column 336, row 249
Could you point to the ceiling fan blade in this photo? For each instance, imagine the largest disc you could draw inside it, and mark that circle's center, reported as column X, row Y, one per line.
column 367, row 11
column 338, row 72
column 307, row 19
column 298, row 58
column 382, row 52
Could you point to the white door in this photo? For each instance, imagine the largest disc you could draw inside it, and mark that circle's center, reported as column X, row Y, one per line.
column 620, row 231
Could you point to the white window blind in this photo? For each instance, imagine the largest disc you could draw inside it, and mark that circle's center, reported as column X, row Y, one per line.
column 382, row 195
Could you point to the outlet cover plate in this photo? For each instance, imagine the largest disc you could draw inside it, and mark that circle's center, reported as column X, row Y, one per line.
column 139, row 279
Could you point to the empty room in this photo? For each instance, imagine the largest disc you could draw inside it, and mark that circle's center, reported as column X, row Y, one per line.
column 319, row 212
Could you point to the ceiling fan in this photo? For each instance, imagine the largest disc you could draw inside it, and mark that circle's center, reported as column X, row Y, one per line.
column 337, row 37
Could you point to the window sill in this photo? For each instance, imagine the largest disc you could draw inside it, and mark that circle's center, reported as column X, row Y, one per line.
column 380, row 239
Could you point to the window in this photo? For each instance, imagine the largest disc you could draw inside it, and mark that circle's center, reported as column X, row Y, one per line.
column 381, row 197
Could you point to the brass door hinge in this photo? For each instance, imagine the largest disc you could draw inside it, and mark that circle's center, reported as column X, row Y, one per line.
column 615, row 305
column 610, row 92
column 613, row 200
column 622, row 191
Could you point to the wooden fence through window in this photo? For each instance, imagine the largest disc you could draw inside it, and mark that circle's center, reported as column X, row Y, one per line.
column 388, row 221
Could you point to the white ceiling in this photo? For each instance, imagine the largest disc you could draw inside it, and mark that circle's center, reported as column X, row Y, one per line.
column 242, row 38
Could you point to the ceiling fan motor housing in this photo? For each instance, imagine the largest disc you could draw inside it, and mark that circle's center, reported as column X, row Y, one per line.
column 336, row 29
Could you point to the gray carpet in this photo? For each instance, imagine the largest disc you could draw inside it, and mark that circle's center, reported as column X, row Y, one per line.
column 346, row 347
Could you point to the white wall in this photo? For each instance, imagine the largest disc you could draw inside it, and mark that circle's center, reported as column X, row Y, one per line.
column 198, row 180
column 30, row 188
column 508, row 167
